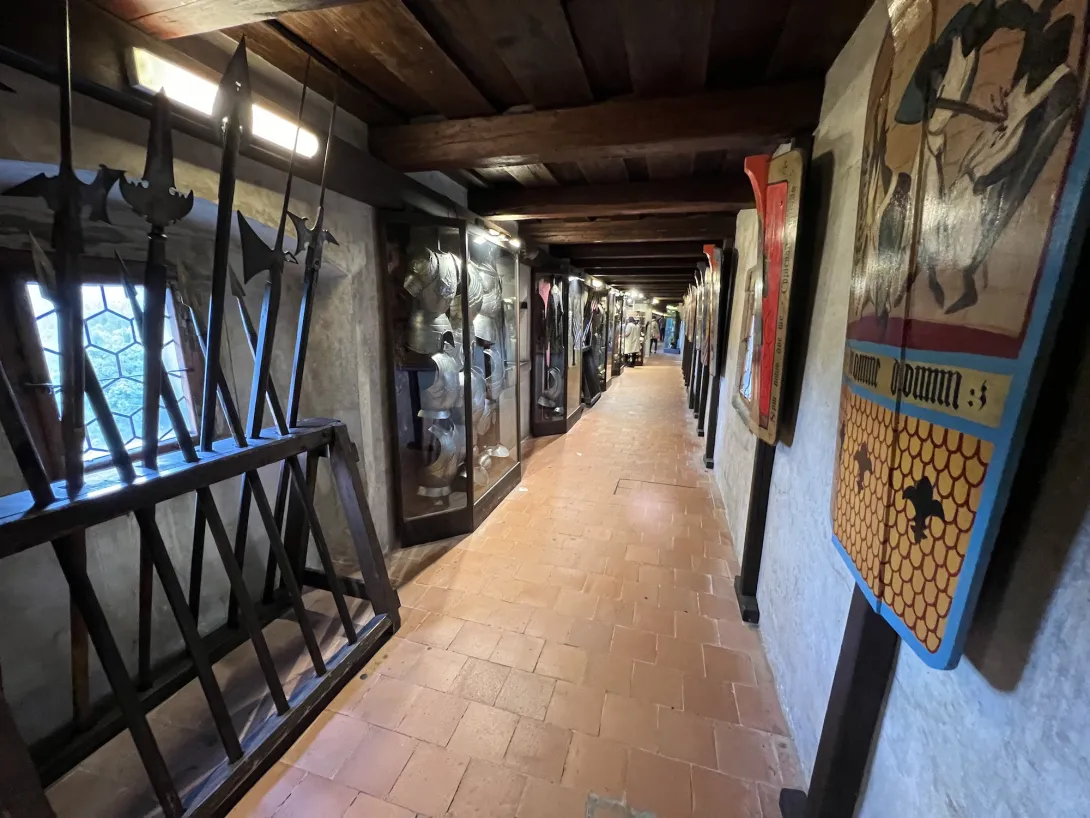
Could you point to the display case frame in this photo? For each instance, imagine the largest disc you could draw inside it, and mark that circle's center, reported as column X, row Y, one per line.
column 473, row 503
column 543, row 423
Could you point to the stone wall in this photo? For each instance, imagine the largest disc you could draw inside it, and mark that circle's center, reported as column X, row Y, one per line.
column 1005, row 734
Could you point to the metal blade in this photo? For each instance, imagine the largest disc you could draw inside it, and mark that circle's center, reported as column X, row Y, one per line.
column 155, row 196
column 234, row 101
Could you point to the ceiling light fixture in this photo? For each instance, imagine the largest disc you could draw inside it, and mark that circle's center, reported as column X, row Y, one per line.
column 151, row 73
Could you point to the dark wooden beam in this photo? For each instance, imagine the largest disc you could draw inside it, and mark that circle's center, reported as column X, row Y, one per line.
column 713, row 228
column 605, row 266
column 180, row 18
column 727, row 194
column 288, row 52
column 747, row 119
column 643, row 249
column 665, row 275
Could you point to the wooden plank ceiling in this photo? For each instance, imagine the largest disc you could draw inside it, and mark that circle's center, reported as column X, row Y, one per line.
column 612, row 130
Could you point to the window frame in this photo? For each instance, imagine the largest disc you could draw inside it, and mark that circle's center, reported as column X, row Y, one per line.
column 23, row 355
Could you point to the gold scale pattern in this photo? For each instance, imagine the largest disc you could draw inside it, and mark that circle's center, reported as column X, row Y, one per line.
column 916, row 579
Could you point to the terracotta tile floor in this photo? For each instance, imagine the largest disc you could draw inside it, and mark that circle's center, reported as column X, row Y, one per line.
column 579, row 655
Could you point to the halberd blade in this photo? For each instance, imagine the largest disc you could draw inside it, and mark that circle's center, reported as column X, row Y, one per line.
column 155, row 197
column 96, row 194
column 257, row 257
column 93, row 195
column 233, row 97
column 303, row 234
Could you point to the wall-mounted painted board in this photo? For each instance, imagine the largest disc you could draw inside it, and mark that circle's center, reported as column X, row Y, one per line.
column 972, row 212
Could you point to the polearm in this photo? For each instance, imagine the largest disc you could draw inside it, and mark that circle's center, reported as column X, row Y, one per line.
column 257, row 258
column 83, row 592
column 234, row 108
column 313, row 239
column 66, row 196
column 157, row 200
column 208, row 501
column 238, row 432
column 152, row 536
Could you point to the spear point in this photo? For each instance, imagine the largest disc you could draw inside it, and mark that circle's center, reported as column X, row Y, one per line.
column 233, row 96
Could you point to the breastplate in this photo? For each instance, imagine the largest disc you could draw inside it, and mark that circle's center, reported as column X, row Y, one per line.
column 438, row 399
column 425, row 331
column 432, row 280
column 496, row 373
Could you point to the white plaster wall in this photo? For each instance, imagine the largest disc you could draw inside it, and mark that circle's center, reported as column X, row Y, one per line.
column 1007, row 733
column 734, row 444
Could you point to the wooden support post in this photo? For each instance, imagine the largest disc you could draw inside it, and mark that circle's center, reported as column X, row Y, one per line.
column 21, row 792
column 863, row 675
column 702, row 400
column 726, row 304
column 346, row 475
column 745, row 584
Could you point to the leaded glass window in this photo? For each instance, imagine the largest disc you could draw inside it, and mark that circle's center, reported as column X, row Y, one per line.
column 117, row 354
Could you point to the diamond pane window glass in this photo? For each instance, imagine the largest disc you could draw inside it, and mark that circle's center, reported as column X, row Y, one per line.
column 112, row 340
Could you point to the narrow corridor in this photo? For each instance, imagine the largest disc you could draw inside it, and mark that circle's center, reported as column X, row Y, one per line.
column 580, row 651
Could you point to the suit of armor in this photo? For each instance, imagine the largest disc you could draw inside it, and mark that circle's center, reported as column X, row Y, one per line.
column 433, row 282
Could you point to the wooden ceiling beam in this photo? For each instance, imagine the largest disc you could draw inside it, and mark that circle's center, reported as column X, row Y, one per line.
column 605, row 266
column 643, row 249
column 664, row 228
column 727, row 194
column 748, row 119
column 180, row 18
column 643, row 274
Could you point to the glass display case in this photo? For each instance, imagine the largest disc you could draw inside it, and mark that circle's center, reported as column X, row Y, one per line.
column 609, row 334
column 577, row 301
column 453, row 332
column 594, row 343
column 621, row 305
column 556, row 352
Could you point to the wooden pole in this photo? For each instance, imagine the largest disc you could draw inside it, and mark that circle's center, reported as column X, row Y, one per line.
column 863, row 675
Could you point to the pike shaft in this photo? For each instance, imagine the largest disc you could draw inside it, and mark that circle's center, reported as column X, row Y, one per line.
column 67, row 246
column 217, row 299
column 155, row 286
